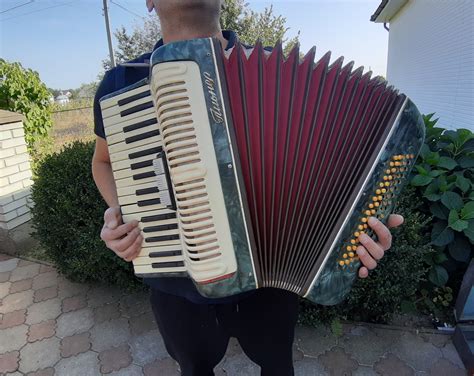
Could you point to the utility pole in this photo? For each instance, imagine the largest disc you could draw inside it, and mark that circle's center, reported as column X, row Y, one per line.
column 109, row 36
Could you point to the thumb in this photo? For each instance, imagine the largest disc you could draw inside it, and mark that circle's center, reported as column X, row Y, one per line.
column 112, row 217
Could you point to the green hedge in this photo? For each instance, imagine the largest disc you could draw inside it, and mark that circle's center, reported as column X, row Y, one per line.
column 444, row 179
column 68, row 217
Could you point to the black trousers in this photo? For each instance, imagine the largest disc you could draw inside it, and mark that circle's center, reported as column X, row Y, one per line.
column 196, row 335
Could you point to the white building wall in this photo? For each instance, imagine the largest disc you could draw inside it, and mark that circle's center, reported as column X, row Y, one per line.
column 431, row 58
column 15, row 176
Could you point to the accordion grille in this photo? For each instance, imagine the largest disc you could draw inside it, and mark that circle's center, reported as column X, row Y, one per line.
column 198, row 214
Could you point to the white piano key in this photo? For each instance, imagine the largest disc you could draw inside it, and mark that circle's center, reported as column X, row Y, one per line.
column 114, row 100
column 128, row 209
column 127, row 163
column 117, row 110
column 125, row 191
column 146, row 260
column 147, row 149
column 145, row 252
column 148, row 269
column 122, row 146
column 144, row 225
column 122, row 136
column 130, row 182
column 133, row 117
column 112, row 127
column 165, row 212
column 132, row 199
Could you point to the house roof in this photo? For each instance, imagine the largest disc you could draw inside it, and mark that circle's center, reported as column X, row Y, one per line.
column 387, row 10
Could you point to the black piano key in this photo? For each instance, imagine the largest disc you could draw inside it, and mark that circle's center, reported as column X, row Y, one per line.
column 134, row 109
column 139, row 125
column 158, row 217
column 144, row 175
column 153, row 201
column 136, row 166
column 164, row 254
column 172, row 264
column 146, row 191
column 142, row 153
column 171, row 226
column 138, row 137
column 162, row 238
column 124, row 101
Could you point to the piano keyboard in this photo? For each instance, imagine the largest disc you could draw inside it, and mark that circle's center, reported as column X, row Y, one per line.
column 140, row 173
column 186, row 229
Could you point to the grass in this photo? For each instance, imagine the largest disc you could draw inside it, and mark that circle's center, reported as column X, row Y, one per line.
column 72, row 125
column 69, row 124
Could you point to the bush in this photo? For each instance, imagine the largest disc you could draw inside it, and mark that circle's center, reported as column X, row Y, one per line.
column 445, row 181
column 67, row 218
column 395, row 280
column 21, row 90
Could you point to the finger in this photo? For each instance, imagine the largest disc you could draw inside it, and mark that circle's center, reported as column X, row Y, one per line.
column 363, row 272
column 366, row 259
column 395, row 220
column 112, row 217
column 383, row 233
column 122, row 245
column 371, row 246
column 133, row 251
column 109, row 235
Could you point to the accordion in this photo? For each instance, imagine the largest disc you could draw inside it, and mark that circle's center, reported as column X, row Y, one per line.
column 254, row 169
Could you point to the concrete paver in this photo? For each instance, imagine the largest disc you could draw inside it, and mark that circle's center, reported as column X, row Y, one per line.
column 75, row 344
column 50, row 326
column 74, row 322
column 115, row 358
column 85, row 364
column 13, row 338
column 42, row 311
column 110, row 333
column 39, row 355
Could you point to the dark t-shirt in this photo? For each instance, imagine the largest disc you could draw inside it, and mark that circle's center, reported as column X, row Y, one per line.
column 116, row 79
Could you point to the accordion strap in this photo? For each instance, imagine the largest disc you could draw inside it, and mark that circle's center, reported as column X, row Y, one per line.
column 120, row 72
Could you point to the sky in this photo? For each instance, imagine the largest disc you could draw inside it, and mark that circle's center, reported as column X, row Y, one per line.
column 65, row 41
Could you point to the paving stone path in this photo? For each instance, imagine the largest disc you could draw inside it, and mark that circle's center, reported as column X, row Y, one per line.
column 50, row 326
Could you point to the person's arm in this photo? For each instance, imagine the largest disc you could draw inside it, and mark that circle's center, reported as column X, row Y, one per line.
column 102, row 172
column 124, row 239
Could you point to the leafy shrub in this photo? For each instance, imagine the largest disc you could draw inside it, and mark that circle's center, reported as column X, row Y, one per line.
column 67, row 218
column 21, row 90
column 445, row 180
column 396, row 279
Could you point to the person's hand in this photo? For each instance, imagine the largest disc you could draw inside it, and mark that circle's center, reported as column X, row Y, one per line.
column 124, row 239
column 370, row 251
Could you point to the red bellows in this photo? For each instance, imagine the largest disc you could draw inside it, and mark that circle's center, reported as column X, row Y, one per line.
column 305, row 133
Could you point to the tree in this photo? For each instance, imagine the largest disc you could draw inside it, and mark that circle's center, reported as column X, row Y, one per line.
column 236, row 15
column 141, row 40
column 251, row 26
column 21, row 90
column 85, row 91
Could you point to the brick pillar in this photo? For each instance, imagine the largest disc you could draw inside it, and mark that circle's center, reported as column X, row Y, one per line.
column 15, row 172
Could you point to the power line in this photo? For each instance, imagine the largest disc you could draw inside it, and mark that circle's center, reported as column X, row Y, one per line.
column 16, row 7
column 39, row 10
column 126, row 9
